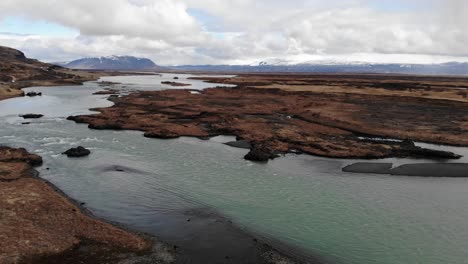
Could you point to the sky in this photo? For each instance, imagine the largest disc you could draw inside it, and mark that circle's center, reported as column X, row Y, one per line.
column 181, row 32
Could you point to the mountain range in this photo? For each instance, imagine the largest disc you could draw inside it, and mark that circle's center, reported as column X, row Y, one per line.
column 112, row 63
column 451, row 68
column 271, row 65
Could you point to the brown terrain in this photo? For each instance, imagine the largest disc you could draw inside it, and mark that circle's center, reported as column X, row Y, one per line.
column 37, row 223
column 326, row 115
column 17, row 71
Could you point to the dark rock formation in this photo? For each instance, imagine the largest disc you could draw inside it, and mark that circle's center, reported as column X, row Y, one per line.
column 176, row 84
column 454, row 170
column 367, row 167
column 106, row 92
column 77, row 152
column 260, row 155
column 243, row 144
column 161, row 134
column 33, row 94
column 31, row 116
column 409, row 149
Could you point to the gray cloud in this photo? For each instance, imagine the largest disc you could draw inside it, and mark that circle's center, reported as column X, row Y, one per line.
column 248, row 30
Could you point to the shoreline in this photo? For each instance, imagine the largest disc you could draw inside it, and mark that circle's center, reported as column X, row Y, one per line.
column 36, row 213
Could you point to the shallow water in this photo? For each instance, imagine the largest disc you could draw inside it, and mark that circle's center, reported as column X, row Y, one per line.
column 305, row 201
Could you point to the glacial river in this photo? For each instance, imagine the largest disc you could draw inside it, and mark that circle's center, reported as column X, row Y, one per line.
column 306, row 202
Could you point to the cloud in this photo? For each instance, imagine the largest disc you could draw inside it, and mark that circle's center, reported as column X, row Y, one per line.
column 214, row 31
column 161, row 19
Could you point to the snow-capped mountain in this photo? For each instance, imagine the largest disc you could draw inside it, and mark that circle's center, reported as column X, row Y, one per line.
column 452, row 68
column 112, row 63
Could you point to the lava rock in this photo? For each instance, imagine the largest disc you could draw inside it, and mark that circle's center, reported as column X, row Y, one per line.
column 32, row 94
column 31, row 116
column 77, row 152
column 259, row 155
column 161, row 134
column 243, row 144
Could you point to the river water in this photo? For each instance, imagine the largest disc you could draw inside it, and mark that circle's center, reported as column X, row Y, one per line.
column 304, row 201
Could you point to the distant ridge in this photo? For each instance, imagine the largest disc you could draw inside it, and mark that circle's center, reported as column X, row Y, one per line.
column 112, row 63
column 450, row 68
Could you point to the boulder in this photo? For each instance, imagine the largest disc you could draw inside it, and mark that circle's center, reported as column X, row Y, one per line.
column 32, row 94
column 259, row 155
column 77, row 152
column 31, row 116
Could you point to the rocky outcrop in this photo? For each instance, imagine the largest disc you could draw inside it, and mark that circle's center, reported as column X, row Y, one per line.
column 106, row 92
column 176, row 84
column 77, row 152
column 411, row 150
column 21, row 155
column 18, row 72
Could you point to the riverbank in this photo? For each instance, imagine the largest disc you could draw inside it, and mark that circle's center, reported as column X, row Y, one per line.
column 275, row 121
column 39, row 223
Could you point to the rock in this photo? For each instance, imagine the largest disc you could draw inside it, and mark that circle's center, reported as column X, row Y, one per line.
column 243, row 144
column 409, row 150
column 455, row 170
column 259, row 155
column 8, row 154
column 77, row 152
column 31, row 116
column 106, row 92
column 161, row 134
column 439, row 154
column 366, row 167
column 176, row 78
column 32, row 94
column 176, row 84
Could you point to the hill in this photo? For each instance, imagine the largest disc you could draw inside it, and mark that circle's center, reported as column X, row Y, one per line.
column 112, row 63
column 17, row 71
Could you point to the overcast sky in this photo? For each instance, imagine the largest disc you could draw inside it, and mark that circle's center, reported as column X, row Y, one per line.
column 239, row 31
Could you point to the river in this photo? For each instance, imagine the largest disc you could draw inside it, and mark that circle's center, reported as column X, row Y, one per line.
column 306, row 202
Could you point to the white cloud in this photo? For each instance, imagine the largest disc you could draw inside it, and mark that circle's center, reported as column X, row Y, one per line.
column 247, row 30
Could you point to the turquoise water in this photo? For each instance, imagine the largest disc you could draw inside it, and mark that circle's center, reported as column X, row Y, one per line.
column 304, row 201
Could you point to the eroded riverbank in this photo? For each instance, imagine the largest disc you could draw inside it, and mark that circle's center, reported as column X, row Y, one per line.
column 38, row 223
